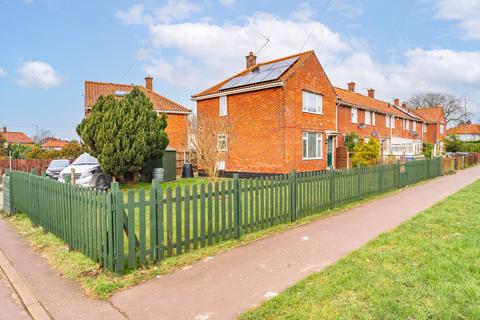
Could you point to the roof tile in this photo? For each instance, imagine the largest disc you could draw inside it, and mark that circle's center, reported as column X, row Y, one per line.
column 94, row 90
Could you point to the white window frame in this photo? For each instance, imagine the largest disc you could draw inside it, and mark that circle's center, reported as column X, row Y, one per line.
column 223, row 106
column 373, row 118
column 354, row 111
column 220, row 138
column 414, row 125
column 318, row 142
column 407, row 126
column 392, row 121
column 387, row 120
column 442, row 128
column 368, row 119
column 424, row 127
column 318, row 108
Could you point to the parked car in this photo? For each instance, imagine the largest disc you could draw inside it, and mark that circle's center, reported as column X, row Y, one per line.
column 87, row 173
column 54, row 168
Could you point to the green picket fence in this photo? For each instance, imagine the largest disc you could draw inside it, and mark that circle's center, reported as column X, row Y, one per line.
column 126, row 230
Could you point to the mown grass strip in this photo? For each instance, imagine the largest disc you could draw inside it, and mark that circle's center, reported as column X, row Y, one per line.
column 428, row 268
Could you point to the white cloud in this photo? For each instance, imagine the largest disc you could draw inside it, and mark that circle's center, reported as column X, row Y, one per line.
column 347, row 8
column 132, row 16
column 227, row 3
column 206, row 52
column 173, row 10
column 3, row 73
column 218, row 50
column 303, row 12
column 37, row 74
column 465, row 12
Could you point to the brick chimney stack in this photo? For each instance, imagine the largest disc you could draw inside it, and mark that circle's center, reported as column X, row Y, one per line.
column 251, row 59
column 351, row 86
column 149, row 83
column 396, row 102
column 404, row 104
column 4, row 130
column 371, row 93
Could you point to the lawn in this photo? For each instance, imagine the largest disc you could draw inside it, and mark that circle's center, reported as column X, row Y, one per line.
column 428, row 268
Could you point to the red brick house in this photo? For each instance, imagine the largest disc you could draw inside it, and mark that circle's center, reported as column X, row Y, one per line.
column 177, row 115
column 436, row 125
column 400, row 131
column 283, row 114
column 286, row 115
column 466, row 132
column 15, row 137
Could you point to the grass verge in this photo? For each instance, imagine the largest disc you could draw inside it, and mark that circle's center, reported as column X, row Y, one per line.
column 101, row 284
column 425, row 269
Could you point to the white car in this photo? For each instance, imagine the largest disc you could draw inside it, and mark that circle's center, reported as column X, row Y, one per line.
column 87, row 173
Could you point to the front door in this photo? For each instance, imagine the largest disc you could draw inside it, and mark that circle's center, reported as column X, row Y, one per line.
column 330, row 152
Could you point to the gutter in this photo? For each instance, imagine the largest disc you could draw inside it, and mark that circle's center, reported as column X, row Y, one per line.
column 230, row 92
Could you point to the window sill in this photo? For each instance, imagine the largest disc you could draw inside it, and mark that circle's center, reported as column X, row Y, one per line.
column 311, row 112
column 312, row 159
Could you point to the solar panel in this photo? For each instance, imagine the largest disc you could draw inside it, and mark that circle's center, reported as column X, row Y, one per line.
column 263, row 73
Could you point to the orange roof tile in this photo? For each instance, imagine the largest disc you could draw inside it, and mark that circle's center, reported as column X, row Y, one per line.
column 302, row 57
column 93, row 91
column 465, row 129
column 433, row 114
column 16, row 137
column 363, row 101
column 53, row 143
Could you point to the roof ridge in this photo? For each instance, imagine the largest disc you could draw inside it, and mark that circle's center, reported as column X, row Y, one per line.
column 168, row 99
column 115, row 84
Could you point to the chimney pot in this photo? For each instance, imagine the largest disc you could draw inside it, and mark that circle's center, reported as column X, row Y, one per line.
column 251, row 59
column 404, row 104
column 149, row 83
column 351, row 86
column 371, row 93
column 396, row 102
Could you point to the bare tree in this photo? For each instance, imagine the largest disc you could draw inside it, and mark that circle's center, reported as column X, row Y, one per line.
column 452, row 105
column 210, row 138
column 41, row 136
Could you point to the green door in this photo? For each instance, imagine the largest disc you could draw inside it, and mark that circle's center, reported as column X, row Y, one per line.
column 330, row 152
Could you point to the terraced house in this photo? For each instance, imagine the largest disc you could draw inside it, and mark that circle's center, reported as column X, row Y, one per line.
column 285, row 114
column 177, row 115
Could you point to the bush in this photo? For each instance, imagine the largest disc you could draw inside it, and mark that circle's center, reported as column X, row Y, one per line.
column 366, row 154
column 427, row 150
column 351, row 140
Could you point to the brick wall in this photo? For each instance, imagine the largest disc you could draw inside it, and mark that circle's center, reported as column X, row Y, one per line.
column 177, row 131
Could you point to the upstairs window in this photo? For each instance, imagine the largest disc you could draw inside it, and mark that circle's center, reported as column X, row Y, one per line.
column 223, row 106
column 368, row 120
column 392, row 121
column 424, row 127
column 414, row 125
column 222, row 142
column 407, row 126
column 373, row 118
column 387, row 121
column 442, row 128
column 312, row 145
column 312, row 102
column 354, row 115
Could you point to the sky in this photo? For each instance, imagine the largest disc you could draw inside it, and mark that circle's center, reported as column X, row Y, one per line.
column 399, row 48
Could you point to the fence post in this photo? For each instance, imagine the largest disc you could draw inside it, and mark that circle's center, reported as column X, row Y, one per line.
column 7, row 193
column 332, row 188
column 293, row 195
column 237, row 211
column 398, row 175
column 117, row 217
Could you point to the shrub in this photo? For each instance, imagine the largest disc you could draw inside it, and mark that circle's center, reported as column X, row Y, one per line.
column 366, row 154
column 351, row 140
column 427, row 150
